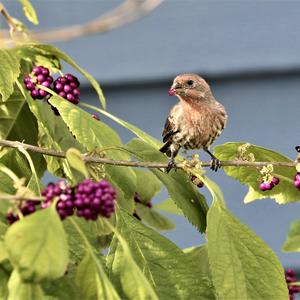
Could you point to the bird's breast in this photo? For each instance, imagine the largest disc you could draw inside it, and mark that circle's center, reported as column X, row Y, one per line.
column 198, row 128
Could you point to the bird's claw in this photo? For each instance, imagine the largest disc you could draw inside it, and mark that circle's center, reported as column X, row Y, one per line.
column 171, row 165
column 215, row 164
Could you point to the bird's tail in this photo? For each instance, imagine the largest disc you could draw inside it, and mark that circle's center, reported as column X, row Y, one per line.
column 166, row 149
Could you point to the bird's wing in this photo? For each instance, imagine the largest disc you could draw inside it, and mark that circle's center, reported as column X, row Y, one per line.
column 169, row 129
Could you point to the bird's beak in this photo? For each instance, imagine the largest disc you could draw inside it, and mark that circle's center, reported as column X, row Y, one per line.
column 174, row 88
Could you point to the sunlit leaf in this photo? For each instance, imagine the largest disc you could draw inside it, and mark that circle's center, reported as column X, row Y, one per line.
column 180, row 188
column 166, row 267
column 92, row 280
column 153, row 218
column 10, row 69
column 29, row 11
column 19, row 290
column 242, row 265
column 37, row 246
column 283, row 193
column 292, row 243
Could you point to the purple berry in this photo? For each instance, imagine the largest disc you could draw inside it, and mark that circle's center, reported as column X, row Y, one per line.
column 197, row 181
column 30, row 86
column 96, row 117
column 297, row 177
column 67, row 88
column 58, row 87
column 70, row 97
column 62, row 94
column 290, row 272
column 27, row 79
column 42, row 93
column 275, row 180
column 36, row 71
column 40, row 78
column 74, row 85
column 34, row 94
column 297, row 184
column 45, row 72
column 46, row 84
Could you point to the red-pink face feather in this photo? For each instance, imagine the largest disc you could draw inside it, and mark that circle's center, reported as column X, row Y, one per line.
column 190, row 87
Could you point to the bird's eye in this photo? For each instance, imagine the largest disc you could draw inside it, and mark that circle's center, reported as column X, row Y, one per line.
column 190, row 82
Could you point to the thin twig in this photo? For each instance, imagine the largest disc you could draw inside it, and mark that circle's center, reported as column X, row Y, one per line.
column 7, row 17
column 142, row 164
column 127, row 12
column 20, row 198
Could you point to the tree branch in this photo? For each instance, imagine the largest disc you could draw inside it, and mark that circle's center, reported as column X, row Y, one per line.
column 142, row 164
column 127, row 12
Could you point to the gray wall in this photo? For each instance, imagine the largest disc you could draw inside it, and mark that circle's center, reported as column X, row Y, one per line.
column 249, row 51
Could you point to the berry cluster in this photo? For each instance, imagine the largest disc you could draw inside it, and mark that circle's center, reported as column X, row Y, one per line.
column 267, row 186
column 67, row 86
column 39, row 75
column 290, row 277
column 197, row 181
column 297, row 180
column 25, row 207
column 88, row 199
column 95, row 198
column 65, row 194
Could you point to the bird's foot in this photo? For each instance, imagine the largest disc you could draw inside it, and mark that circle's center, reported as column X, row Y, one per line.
column 171, row 165
column 215, row 164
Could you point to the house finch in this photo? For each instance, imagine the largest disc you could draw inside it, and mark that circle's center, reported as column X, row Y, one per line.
column 196, row 121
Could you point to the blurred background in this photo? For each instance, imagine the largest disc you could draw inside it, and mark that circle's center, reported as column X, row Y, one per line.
column 247, row 50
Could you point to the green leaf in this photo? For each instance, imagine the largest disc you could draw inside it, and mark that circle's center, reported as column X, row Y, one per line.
column 138, row 132
column 283, row 193
column 13, row 113
column 198, row 257
column 91, row 230
column 94, row 134
column 180, row 188
column 53, row 134
column 292, row 243
column 61, row 289
column 169, row 206
column 37, row 246
column 165, row 266
column 18, row 290
column 4, row 277
column 75, row 160
column 29, row 11
column 92, row 280
column 242, row 265
column 3, row 252
column 147, row 185
column 10, row 69
column 48, row 49
column 134, row 283
column 153, row 218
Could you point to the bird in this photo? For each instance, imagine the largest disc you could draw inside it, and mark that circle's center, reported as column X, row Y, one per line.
column 195, row 122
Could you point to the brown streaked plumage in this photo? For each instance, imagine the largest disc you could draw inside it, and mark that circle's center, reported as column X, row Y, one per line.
column 196, row 121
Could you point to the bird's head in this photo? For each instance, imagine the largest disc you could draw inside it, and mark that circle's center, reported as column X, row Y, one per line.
column 190, row 87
